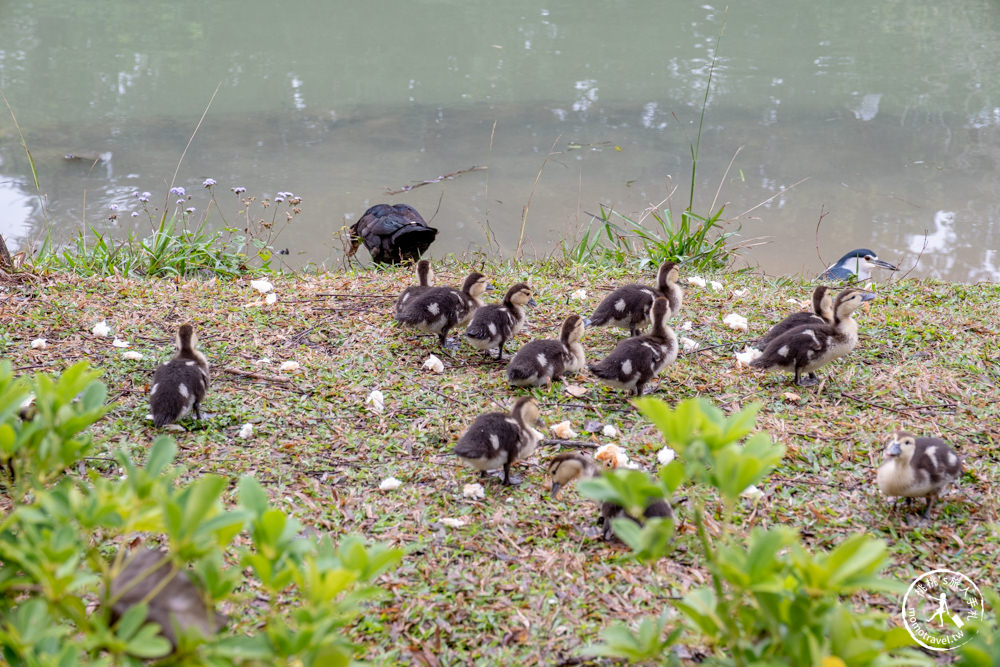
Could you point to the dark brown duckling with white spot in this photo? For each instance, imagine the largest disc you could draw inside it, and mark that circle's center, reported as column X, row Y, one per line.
column 439, row 309
column 822, row 313
column 628, row 306
column 567, row 467
column 180, row 384
column 918, row 468
column 637, row 360
column 425, row 280
column 541, row 361
column 494, row 324
column 808, row 347
column 498, row 439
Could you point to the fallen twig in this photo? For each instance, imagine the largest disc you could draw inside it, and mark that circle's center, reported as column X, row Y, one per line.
column 420, row 184
column 255, row 376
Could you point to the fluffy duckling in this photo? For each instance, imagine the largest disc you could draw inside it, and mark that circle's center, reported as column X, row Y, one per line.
column 425, row 280
column 822, row 313
column 497, row 439
column 493, row 325
column 918, row 468
column 439, row 309
column 392, row 234
column 635, row 361
column 808, row 347
column 542, row 361
column 628, row 306
column 567, row 467
column 180, row 384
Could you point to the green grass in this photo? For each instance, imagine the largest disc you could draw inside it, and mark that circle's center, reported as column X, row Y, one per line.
column 526, row 579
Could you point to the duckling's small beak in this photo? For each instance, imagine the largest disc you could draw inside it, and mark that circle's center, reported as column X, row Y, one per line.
column 554, row 493
column 532, row 302
column 893, row 450
column 490, row 288
column 586, row 322
column 539, row 422
column 884, row 264
column 867, row 296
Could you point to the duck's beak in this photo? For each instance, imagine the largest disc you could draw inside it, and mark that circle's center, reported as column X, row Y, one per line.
column 867, row 296
column 554, row 493
column 893, row 450
column 532, row 302
column 540, row 422
column 489, row 288
column 883, row 264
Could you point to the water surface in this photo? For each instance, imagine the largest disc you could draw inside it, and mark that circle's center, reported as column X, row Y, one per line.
column 890, row 111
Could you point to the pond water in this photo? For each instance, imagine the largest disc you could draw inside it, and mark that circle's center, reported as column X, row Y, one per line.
column 886, row 115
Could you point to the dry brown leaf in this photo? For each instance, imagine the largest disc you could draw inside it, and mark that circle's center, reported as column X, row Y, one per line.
column 576, row 390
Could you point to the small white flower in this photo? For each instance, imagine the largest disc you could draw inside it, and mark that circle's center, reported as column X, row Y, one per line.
column 689, row 344
column 288, row 366
column 101, row 329
column 246, row 432
column 696, row 280
column 132, row 355
column 752, row 492
column 794, row 302
column 118, row 342
column 687, row 326
column 716, row 285
column 609, row 431
column 739, row 292
column 39, row 344
column 389, row 484
column 665, row 456
column 453, row 523
column 474, row 491
column 579, row 295
column 377, row 401
column 746, row 356
column 270, row 299
column 563, row 430
column 433, row 364
column 262, row 285
column 734, row 321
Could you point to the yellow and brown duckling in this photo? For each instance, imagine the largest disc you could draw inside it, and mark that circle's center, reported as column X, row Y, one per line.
column 180, row 384
column 541, row 361
column 628, row 306
column 439, row 309
column 822, row 313
column 494, row 324
column 425, row 280
column 809, row 347
column 570, row 466
column 497, row 439
column 637, row 360
column 918, row 468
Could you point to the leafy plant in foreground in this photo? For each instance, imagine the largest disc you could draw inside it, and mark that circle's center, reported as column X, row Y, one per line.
column 68, row 538
column 771, row 600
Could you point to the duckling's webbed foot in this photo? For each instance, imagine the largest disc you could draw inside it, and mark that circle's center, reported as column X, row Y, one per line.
column 508, row 479
column 807, row 381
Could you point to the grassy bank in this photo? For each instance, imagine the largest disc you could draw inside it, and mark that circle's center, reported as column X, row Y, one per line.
column 525, row 578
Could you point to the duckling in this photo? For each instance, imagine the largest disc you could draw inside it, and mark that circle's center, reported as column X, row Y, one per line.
column 917, row 468
column 425, row 280
column 439, row 309
column 822, row 313
column 569, row 466
column 392, row 234
column 855, row 265
column 493, row 325
column 808, row 347
column 628, row 306
column 180, row 384
column 635, row 361
column 497, row 439
column 542, row 361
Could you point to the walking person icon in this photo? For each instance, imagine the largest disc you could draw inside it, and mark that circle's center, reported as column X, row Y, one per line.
column 941, row 610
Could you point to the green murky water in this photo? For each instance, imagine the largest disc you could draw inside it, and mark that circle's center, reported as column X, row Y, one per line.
column 890, row 110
